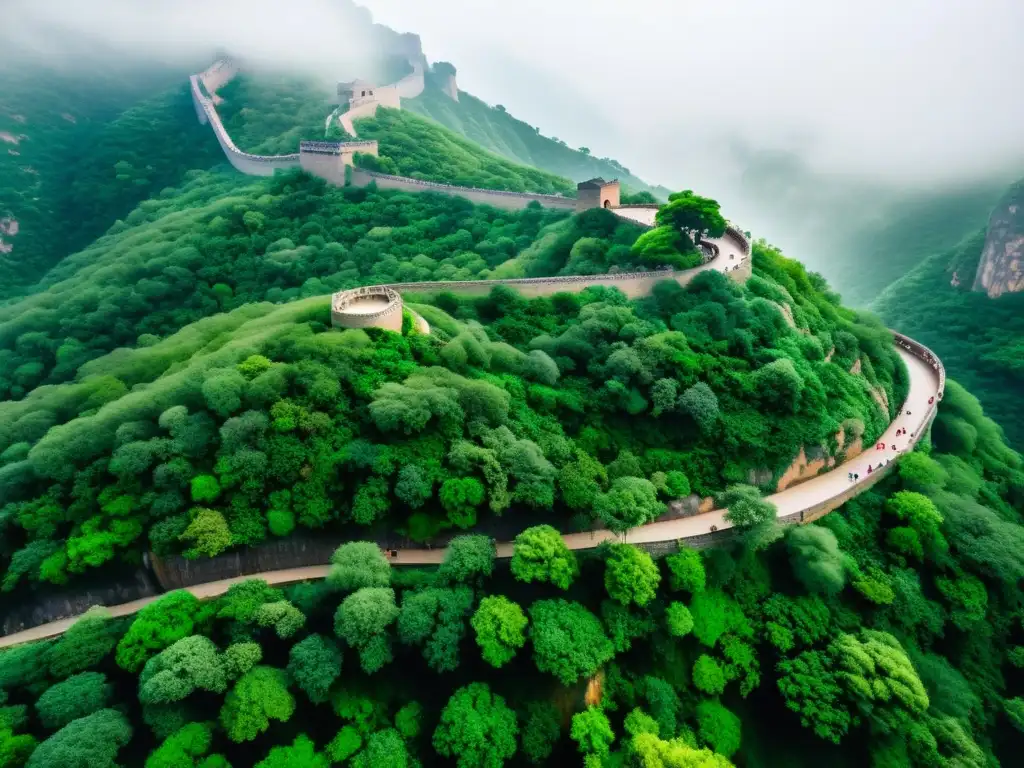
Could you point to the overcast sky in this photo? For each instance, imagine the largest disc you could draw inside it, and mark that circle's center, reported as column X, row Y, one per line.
column 887, row 88
column 911, row 90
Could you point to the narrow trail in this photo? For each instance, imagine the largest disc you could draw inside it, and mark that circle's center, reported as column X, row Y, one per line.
column 800, row 503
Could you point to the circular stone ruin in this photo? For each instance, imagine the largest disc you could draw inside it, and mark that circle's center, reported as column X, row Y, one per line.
column 374, row 306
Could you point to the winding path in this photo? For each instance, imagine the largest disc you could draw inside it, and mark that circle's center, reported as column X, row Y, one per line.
column 798, row 504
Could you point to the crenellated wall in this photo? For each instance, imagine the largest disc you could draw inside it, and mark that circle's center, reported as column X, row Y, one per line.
column 328, row 159
column 512, row 201
column 251, row 165
column 633, row 284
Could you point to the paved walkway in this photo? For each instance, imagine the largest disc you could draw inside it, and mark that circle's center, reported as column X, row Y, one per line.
column 924, row 384
column 809, row 495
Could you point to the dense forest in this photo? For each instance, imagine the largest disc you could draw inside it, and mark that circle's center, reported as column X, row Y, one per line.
column 410, row 145
column 77, row 153
column 981, row 340
column 171, row 388
column 247, row 424
column 890, row 634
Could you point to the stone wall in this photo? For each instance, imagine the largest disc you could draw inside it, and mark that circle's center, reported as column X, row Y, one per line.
column 364, row 110
column 327, row 159
column 389, row 318
column 251, row 165
column 65, row 604
column 512, row 201
column 412, row 85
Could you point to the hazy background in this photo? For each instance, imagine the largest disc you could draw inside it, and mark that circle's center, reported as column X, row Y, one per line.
column 793, row 113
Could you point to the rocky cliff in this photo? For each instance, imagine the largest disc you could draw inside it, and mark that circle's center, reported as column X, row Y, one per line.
column 1001, row 269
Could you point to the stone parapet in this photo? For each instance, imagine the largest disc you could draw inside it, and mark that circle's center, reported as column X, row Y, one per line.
column 497, row 197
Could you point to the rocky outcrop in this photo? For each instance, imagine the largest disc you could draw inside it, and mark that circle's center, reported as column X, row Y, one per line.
column 1001, row 269
column 443, row 75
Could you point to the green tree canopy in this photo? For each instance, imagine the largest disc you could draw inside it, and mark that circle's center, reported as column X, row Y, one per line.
column 92, row 741
column 500, row 627
column 630, row 575
column 314, row 663
column 362, row 621
column 76, row 697
column 568, row 640
column 261, row 695
column 476, row 728
column 540, row 554
column 359, row 564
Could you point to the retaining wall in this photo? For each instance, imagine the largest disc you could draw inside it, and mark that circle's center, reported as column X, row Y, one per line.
column 65, row 604
column 511, row 201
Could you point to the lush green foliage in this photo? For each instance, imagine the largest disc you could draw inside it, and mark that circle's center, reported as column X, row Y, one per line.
column 282, row 424
column 410, row 145
column 495, row 129
column 90, row 143
column 978, row 338
column 890, row 633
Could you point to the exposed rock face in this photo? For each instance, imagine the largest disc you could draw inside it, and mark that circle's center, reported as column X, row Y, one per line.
column 1001, row 269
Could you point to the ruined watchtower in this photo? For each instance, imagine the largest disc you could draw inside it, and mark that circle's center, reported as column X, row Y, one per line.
column 597, row 193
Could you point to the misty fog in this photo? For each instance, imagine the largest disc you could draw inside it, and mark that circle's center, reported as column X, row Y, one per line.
column 770, row 106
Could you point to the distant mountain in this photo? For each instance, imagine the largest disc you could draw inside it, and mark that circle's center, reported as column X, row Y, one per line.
column 980, row 335
column 494, row 128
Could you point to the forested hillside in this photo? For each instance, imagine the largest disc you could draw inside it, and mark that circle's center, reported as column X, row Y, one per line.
column 173, row 394
column 250, row 423
column 981, row 339
column 410, row 145
column 890, row 634
column 495, row 129
column 78, row 152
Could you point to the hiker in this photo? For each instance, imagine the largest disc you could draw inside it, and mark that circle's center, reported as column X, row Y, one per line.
column 931, row 400
column 869, row 469
column 856, row 477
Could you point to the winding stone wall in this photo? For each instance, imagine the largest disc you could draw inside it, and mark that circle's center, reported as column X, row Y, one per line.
column 511, row 201
column 633, row 284
column 412, row 85
column 65, row 604
column 251, row 165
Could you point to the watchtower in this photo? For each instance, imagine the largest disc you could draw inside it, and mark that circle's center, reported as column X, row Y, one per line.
column 356, row 92
column 597, row 193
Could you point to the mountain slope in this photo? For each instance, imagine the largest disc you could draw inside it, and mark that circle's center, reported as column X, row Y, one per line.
column 498, row 131
column 981, row 339
column 77, row 152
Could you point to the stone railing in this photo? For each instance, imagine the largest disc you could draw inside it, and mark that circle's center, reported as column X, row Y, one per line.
column 336, row 147
column 253, row 165
column 453, row 189
column 633, row 284
column 344, row 299
column 739, row 236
